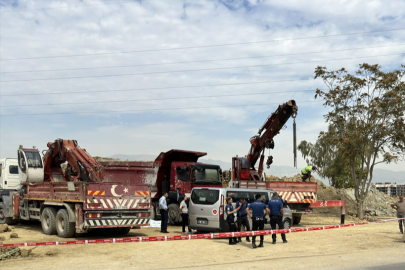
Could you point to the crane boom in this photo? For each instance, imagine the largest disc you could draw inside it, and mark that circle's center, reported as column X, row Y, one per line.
column 243, row 168
column 80, row 164
column 270, row 129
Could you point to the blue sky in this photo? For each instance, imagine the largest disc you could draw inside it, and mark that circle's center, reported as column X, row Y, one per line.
column 139, row 101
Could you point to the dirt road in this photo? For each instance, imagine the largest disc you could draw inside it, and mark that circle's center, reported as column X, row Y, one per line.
column 363, row 247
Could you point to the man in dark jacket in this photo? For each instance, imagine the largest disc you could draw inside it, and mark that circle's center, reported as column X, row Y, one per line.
column 242, row 217
column 276, row 216
column 259, row 210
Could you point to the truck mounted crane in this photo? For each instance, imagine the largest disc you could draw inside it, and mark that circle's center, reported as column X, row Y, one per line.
column 243, row 168
column 69, row 201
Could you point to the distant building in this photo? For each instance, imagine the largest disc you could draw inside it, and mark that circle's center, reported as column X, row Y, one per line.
column 392, row 189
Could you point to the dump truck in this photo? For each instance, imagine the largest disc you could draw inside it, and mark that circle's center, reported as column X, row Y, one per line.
column 176, row 172
column 72, row 200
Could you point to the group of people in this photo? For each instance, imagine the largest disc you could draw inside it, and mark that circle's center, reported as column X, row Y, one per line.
column 256, row 211
column 165, row 217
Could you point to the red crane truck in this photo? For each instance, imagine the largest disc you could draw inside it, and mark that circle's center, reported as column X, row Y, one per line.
column 300, row 196
column 176, row 172
column 71, row 201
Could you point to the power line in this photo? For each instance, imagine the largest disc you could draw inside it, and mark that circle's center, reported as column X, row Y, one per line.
column 153, row 99
column 191, row 70
column 202, row 46
column 150, row 88
column 148, row 110
column 200, row 61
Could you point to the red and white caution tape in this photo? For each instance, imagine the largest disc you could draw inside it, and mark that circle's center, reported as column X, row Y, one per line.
column 189, row 237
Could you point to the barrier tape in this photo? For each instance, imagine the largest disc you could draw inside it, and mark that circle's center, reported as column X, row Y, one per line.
column 190, row 237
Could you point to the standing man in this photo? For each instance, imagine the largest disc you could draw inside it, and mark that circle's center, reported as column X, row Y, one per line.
column 306, row 172
column 242, row 217
column 259, row 210
column 230, row 219
column 163, row 212
column 276, row 216
column 400, row 207
column 184, row 214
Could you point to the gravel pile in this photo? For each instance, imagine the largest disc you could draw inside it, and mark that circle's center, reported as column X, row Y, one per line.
column 376, row 203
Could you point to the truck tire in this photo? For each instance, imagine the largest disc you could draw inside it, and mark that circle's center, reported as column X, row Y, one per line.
column 3, row 218
column 124, row 231
column 48, row 220
column 287, row 224
column 174, row 214
column 152, row 212
column 64, row 228
column 296, row 220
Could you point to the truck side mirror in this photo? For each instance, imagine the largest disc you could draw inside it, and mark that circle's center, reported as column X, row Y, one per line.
column 21, row 161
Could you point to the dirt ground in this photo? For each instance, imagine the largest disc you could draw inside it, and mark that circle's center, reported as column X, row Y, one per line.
column 376, row 246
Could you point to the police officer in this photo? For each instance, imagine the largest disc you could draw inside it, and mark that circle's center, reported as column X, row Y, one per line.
column 242, row 217
column 259, row 210
column 276, row 216
column 230, row 219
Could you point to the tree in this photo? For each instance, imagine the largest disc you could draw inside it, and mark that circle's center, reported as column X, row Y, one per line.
column 325, row 155
column 366, row 120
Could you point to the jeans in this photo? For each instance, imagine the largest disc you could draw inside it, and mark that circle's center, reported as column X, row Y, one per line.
column 401, row 223
column 165, row 217
column 277, row 220
column 257, row 225
column 184, row 217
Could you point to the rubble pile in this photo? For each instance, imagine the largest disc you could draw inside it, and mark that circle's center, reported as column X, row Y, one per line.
column 5, row 228
column 10, row 252
column 13, row 252
column 376, row 203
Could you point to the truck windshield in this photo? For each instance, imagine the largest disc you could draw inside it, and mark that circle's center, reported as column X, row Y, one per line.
column 207, row 176
column 33, row 159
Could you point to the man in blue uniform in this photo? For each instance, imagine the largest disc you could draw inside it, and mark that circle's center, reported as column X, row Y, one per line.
column 242, row 217
column 259, row 210
column 276, row 216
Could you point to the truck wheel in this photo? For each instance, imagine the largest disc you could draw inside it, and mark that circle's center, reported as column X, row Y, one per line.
column 287, row 224
column 174, row 214
column 48, row 221
column 296, row 220
column 124, row 231
column 152, row 212
column 3, row 218
column 64, row 228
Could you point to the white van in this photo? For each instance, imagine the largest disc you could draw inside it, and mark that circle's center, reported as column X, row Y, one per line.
column 207, row 207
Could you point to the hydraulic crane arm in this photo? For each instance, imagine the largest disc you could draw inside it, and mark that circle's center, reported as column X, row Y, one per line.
column 270, row 128
column 80, row 164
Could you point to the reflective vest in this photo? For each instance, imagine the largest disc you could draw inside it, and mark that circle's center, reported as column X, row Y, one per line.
column 307, row 170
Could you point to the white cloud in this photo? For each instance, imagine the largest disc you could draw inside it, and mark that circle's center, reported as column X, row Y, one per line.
column 142, row 126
